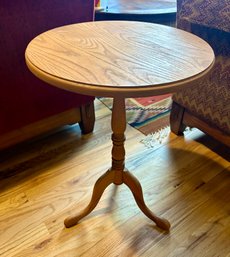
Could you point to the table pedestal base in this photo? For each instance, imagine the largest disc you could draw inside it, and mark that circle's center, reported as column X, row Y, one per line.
column 102, row 183
column 118, row 174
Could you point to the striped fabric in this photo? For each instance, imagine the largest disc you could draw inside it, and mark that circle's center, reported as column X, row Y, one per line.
column 210, row 99
column 210, row 13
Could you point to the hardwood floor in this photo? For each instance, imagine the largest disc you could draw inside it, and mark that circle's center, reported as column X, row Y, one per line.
column 186, row 180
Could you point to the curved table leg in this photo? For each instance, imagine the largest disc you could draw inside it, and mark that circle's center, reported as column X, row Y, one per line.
column 101, row 184
column 118, row 174
column 135, row 187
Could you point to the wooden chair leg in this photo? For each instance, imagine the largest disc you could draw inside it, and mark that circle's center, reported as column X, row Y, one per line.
column 87, row 118
column 176, row 119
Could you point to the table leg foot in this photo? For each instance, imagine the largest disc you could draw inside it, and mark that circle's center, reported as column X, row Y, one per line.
column 136, row 190
column 101, row 184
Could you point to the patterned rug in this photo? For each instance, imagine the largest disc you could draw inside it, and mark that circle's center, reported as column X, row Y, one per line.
column 147, row 114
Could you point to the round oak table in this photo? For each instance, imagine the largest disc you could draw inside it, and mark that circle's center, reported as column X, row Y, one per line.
column 119, row 59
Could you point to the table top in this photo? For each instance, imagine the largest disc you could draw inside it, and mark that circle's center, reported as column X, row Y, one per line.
column 112, row 58
column 138, row 6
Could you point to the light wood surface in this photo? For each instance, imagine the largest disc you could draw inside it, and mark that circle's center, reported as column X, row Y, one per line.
column 118, row 59
column 157, row 11
column 107, row 58
column 187, row 180
column 139, row 6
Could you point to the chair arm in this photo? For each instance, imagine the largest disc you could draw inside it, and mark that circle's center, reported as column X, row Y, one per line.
column 209, row 13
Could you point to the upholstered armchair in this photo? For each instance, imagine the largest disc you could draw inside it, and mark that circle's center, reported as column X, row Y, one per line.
column 28, row 106
column 206, row 105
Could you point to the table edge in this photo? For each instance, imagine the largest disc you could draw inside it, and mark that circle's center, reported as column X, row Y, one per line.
column 112, row 91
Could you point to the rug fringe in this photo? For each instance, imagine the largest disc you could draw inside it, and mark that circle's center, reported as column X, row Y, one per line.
column 159, row 137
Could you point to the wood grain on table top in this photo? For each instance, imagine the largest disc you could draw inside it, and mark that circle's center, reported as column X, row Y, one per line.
column 118, row 55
